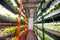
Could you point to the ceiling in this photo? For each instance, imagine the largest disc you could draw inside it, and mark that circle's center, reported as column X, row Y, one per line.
column 31, row 4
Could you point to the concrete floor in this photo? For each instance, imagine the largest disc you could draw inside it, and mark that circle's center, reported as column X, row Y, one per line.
column 31, row 36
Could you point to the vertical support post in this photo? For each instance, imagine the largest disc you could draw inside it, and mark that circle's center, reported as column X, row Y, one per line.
column 43, row 27
column 19, row 21
column 42, row 20
column 26, row 24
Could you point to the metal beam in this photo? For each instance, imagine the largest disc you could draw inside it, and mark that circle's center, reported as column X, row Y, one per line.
column 31, row 5
column 31, row 1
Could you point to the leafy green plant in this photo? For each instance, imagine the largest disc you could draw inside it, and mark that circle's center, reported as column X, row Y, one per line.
column 57, row 6
column 40, row 33
column 11, row 3
column 50, row 26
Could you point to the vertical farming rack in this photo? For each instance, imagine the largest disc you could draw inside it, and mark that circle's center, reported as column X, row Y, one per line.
column 46, row 20
column 13, row 27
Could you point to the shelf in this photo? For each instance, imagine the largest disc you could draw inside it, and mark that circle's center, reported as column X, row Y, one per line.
column 8, row 24
column 44, row 9
column 8, row 6
column 39, row 32
column 38, row 36
column 51, row 31
column 52, row 4
column 53, row 13
column 5, row 36
column 48, row 8
column 53, row 9
column 54, row 36
column 9, row 34
column 5, row 19
column 48, row 5
column 53, row 17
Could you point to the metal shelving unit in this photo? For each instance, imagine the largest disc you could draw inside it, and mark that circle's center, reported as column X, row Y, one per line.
column 53, row 18
column 52, row 33
column 10, row 22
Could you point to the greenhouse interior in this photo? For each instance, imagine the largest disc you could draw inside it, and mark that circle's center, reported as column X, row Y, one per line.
column 29, row 19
